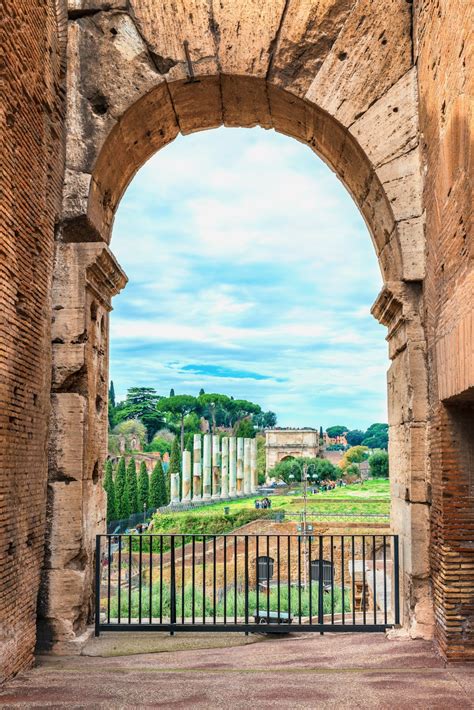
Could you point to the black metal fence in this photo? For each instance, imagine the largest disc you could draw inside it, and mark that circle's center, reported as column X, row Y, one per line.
column 241, row 582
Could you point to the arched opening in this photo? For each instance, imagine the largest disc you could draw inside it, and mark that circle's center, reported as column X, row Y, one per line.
column 186, row 106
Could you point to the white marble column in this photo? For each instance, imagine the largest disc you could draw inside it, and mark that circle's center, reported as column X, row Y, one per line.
column 216, row 466
column 186, row 468
column 247, row 481
column 240, row 466
column 174, row 488
column 225, row 468
column 206, row 467
column 197, row 467
column 253, row 465
column 232, row 467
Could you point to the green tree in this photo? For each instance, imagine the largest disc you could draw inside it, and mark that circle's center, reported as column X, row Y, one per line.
column 121, row 497
column 245, row 429
column 180, row 405
column 140, row 403
column 131, row 426
column 112, row 394
column 171, row 392
column 376, row 436
column 378, row 465
column 318, row 469
column 261, row 459
column 143, row 487
column 355, row 437
column 110, row 491
column 131, row 486
column 159, row 444
column 336, row 430
column 175, row 463
column 201, row 392
column 355, row 454
column 210, row 404
column 158, row 495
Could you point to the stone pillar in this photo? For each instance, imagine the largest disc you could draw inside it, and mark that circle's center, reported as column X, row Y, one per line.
column 174, row 488
column 232, row 467
column 225, row 468
column 197, row 467
column 216, row 466
column 247, row 481
column 240, row 467
column 86, row 277
column 206, row 473
column 186, row 468
column 253, row 465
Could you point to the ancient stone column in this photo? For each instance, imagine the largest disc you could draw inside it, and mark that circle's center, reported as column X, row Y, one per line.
column 174, row 488
column 247, row 481
column 232, row 467
column 197, row 467
column 240, row 466
column 216, row 466
column 207, row 472
column 186, row 492
column 253, row 465
column 225, row 468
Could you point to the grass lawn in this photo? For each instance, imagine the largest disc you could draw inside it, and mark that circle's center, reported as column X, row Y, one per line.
column 355, row 499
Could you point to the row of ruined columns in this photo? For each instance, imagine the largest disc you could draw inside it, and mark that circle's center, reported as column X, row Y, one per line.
column 219, row 469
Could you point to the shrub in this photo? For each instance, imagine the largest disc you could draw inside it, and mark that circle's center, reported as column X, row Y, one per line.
column 378, row 465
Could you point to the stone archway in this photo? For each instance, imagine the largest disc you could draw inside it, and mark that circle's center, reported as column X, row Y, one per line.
column 138, row 74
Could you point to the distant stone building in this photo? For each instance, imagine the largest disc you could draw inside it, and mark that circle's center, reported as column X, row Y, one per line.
column 289, row 443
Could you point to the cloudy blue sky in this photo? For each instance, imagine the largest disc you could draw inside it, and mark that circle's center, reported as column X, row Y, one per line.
column 251, row 272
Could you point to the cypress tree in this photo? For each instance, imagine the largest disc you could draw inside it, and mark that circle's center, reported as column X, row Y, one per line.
column 112, row 394
column 121, row 497
column 143, row 487
column 171, row 392
column 109, row 488
column 175, row 464
column 158, row 495
column 131, row 486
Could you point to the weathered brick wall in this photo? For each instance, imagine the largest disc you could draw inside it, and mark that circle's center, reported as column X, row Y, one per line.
column 444, row 50
column 32, row 166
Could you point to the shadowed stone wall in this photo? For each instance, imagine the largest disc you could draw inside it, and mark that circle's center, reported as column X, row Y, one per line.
column 32, row 37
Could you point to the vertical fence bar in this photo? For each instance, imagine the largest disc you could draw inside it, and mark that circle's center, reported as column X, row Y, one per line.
column 235, row 579
column 288, row 540
column 140, row 561
column 320, row 583
column 150, row 585
column 203, row 579
column 278, row 578
column 343, row 591
column 396, row 579
column 299, row 578
column 119, row 580
column 384, row 579
column 129, row 579
column 193, row 580
column 225, row 577
column 214, row 579
column 308, row 542
column 109, row 565
column 258, row 573
column 364, row 600
column 353, row 579
column 246, row 581
column 161, row 579
column 374, row 562
column 332, row 579
column 172, row 585
column 97, row 585
column 183, row 575
column 268, row 578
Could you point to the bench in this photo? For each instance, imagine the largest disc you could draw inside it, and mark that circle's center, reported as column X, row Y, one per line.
column 262, row 616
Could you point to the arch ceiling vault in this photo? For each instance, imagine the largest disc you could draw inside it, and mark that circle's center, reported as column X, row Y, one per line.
column 337, row 75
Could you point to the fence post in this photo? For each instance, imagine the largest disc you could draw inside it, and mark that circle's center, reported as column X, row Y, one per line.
column 396, row 564
column 320, row 583
column 172, row 587
column 97, row 585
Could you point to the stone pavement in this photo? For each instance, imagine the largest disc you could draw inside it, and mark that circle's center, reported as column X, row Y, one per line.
column 295, row 671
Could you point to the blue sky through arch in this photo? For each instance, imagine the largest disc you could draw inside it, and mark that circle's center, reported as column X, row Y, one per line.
column 251, row 273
